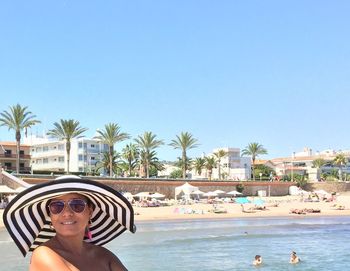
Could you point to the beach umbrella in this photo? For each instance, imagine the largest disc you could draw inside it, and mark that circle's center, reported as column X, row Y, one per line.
column 157, row 195
column 142, row 195
column 242, row 200
column 210, row 194
column 234, row 192
column 4, row 189
column 258, row 202
column 219, row 192
column 197, row 192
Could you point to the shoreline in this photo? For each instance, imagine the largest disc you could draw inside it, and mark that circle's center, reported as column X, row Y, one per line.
column 204, row 211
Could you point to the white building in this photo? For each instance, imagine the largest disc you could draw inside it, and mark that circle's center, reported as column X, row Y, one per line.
column 49, row 154
column 232, row 167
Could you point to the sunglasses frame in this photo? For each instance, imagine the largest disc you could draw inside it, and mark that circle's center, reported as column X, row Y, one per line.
column 65, row 203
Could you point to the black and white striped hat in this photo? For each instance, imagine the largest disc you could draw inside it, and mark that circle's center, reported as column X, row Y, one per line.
column 27, row 216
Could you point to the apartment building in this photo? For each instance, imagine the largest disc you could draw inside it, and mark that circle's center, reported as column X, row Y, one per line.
column 232, row 167
column 49, row 154
column 8, row 156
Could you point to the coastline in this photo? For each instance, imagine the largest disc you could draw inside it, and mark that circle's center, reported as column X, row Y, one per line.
column 202, row 211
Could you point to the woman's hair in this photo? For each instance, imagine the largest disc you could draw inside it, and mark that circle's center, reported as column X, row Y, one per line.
column 257, row 257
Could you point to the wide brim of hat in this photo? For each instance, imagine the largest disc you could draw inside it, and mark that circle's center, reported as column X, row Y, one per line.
column 28, row 222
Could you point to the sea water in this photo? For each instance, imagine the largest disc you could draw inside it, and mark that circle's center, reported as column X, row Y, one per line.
column 322, row 243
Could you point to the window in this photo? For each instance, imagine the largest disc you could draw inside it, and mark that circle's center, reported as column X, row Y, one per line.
column 80, row 169
column 21, row 152
column 80, row 157
column 33, row 150
column 61, row 147
column 61, row 159
column 38, row 149
column 80, row 145
column 92, row 145
column 8, row 152
column 21, row 165
column 45, row 160
column 92, row 158
column 45, row 148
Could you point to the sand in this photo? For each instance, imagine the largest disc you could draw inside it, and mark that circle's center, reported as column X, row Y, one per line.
column 203, row 211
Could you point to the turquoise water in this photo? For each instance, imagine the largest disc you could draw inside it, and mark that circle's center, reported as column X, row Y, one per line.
column 230, row 244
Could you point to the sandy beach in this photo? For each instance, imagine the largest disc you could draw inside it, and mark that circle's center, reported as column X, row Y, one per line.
column 204, row 211
column 234, row 210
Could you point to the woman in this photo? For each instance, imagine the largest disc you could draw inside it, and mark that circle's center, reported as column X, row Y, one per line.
column 66, row 221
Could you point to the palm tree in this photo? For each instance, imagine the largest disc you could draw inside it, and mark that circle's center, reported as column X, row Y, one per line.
column 106, row 162
column 110, row 136
column 199, row 164
column 184, row 142
column 18, row 119
column 67, row 130
column 340, row 160
column 130, row 154
column 148, row 161
column 318, row 163
column 220, row 154
column 254, row 149
column 147, row 143
column 210, row 163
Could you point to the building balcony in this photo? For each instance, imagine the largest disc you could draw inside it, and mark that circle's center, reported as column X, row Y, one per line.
column 14, row 156
column 21, row 169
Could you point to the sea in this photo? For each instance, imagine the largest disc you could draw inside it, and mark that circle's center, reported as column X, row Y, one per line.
column 322, row 243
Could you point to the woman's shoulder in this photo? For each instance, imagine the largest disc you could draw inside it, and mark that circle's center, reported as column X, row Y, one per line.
column 45, row 258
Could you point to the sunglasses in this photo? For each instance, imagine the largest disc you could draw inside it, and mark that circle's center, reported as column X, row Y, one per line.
column 76, row 205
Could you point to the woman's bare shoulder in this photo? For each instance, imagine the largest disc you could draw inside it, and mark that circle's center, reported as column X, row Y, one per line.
column 44, row 258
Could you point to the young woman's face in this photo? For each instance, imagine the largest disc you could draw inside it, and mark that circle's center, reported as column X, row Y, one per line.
column 70, row 214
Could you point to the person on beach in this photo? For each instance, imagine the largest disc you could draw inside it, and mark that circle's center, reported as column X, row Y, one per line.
column 294, row 258
column 257, row 260
column 67, row 221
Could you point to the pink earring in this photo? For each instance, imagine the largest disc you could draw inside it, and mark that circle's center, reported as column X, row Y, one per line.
column 88, row 233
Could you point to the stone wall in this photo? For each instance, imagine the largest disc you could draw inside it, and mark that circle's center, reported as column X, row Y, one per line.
column 167, row 187
column 328, row 186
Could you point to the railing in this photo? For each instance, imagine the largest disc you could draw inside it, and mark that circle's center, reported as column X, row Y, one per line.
column 23, row 156
column 21, row 169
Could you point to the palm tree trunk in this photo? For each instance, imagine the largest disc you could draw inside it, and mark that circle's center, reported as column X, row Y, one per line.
column 18, row 150
column 253, row 166
column 184, row 165
column 110, row 161
column 68, row 155
column 219, row 169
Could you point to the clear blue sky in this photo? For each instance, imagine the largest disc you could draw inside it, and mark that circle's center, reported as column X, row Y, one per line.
column 229, row 72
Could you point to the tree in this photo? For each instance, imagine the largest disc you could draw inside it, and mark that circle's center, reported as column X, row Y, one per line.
column 107, row 163
column 199, row 164
column 184, row 142
column 147, row 143
column 110, row 136
column 130, row 154
column 318, row 163
column 18, row 119
column 220, row 154
column 254, row 149
column 67, row 130
column 340, row 160
column 210, row 163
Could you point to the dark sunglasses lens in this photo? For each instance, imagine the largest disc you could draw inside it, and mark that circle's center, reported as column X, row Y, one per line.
column 56, row 207
column 77, row 205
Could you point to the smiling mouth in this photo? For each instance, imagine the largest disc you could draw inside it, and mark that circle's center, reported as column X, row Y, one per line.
column 68, row 223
